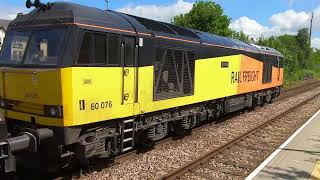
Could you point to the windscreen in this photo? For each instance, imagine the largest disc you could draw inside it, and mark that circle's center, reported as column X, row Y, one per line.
column 39, row 47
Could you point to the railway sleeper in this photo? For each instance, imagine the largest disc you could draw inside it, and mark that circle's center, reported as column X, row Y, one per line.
column 235, row 164
column 238, row 152
column 251, row 147
column 204, row 175
column 262, row 139
column 225, row 171
column 239, row 148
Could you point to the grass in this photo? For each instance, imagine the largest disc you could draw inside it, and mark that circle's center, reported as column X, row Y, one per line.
column 300, row 75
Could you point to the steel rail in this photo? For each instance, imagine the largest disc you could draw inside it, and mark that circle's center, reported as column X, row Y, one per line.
column 304, row 87
column 301, row 85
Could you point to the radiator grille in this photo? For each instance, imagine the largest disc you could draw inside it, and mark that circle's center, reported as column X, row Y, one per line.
column 174, row 73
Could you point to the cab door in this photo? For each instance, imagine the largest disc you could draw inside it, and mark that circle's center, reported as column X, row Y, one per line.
column 129, row 58
column 279, row 72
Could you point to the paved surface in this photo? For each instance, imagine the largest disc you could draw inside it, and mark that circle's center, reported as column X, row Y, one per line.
column 299, row 159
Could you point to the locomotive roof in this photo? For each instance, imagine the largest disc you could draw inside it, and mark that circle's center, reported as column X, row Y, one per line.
column 64, row 13
column 93, row 18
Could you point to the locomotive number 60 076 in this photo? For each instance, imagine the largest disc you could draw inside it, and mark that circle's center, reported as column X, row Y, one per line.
column 101, row 105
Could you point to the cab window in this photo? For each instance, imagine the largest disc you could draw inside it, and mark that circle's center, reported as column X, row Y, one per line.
column 43, row 47
column 84, row 56
column 36, row 47
column 129, row 51
column 100, row 53
column 114, row 52
column 99, row 49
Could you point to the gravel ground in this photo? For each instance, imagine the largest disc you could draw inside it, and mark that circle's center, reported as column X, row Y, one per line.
column 164, row 159
column 242, row 156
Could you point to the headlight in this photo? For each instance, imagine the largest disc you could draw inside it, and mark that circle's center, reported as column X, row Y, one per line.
column 5, row 104
column 53, row 111
column 2, row 103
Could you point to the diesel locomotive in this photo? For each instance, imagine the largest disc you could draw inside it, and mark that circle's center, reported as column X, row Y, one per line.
column 78, row 83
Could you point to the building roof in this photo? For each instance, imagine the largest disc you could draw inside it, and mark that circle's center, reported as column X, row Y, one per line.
column 4, row 23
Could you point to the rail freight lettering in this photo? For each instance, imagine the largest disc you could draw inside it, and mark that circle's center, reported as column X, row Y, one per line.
column 244, row 76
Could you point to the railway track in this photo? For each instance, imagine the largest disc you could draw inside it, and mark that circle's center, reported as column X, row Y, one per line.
column 300, row 88
column 287, row 93
column 228, row 161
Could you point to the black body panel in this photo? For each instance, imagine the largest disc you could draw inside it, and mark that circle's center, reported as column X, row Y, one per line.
column 154, row 33
column 3, row 130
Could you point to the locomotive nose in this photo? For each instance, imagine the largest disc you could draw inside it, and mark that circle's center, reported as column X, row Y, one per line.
column 25, row 95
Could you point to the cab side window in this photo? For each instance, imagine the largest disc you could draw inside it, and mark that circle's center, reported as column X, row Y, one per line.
column 267, row 69
column 100, row 46
column 129, row 51
column 99, row 49
column 85, row 55
column 114, row 53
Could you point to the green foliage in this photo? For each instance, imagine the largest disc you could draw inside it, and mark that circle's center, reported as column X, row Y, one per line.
column 300, row 61
column 205, row 16
column 303, row 38
column 241, row 36
column 208, row 16
column 315, row 59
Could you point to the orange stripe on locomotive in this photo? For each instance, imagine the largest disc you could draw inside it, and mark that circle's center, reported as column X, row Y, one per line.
column 250, row 77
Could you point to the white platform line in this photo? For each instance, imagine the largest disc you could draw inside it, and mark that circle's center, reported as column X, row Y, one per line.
column 264, row 163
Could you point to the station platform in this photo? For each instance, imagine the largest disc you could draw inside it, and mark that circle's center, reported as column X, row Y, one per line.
column 297, row 158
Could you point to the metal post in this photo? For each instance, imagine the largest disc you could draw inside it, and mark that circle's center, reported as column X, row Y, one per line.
column 107, row 4
column 311, row 24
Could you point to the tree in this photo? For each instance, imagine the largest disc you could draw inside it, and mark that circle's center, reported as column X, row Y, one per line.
column 205, row 16
column 303, row 38
column 315, row 58
column 299, row 60
column 241, row 36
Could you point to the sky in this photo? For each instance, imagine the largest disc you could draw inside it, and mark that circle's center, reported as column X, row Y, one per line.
column 254, row 17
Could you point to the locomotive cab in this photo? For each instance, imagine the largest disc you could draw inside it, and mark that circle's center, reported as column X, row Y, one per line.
column 31, row 89
column 60, row 77
column 30, row 78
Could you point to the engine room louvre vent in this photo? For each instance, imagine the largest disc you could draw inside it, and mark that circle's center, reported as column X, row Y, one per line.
column 174, row 73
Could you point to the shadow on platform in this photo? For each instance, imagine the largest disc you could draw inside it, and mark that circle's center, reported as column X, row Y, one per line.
column 280, row 173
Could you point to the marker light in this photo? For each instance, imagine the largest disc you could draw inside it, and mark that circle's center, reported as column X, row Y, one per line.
column 53, row 111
